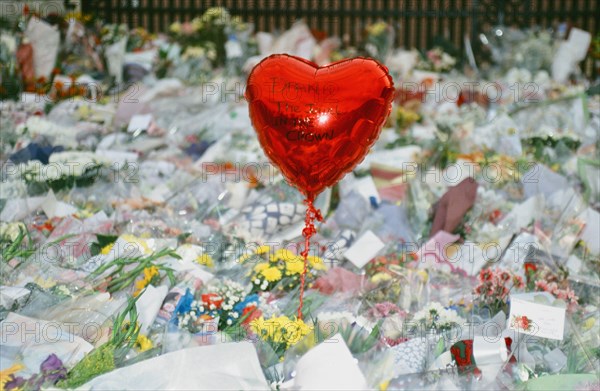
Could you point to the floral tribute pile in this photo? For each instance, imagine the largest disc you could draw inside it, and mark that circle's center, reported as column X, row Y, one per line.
column 146, row 242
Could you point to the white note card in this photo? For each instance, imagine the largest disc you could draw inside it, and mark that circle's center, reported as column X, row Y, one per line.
column 139, row 122
column 532, row 316
column 364, row 249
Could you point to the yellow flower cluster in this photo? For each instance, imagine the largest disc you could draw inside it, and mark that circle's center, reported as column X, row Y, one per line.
column 377, row 28
column 78, row 16
column 149, row 274
column 258, row 251
column 143, row 343
column 205, row 260
column 278, row 264
column 106, row 249
column 280, row 330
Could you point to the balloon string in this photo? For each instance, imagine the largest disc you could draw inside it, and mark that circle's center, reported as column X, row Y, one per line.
column 309, row 230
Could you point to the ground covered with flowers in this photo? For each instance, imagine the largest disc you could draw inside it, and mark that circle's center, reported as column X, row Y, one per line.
column 147, row 243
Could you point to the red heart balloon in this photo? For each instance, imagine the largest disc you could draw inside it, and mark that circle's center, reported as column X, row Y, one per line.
column 317, row 123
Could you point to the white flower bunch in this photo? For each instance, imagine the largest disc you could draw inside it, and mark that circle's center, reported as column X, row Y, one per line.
column 435, row 316
column 60, row 165
column 193, row 52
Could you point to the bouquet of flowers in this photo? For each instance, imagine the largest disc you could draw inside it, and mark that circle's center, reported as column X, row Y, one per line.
column 436, row 317
column 436, row 60
column 225, row 304
column 281, row 269
column 63, row 171
column 206, row 35
column 125, row 271
column 114, row 38
column 494, row 288
column 280, row 332
column 541, row 278
column 139, row 39
column 379, row 40
column 52, row 370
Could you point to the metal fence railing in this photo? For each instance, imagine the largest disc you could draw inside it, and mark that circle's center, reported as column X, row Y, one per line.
column 418, row 22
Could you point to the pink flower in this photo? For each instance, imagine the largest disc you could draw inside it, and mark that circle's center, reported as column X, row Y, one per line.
column 187, row 28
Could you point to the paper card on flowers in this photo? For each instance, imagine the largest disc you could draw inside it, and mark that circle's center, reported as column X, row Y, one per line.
column 139, row 122
column 533, row 314
column 364, row 249
column 366, row 188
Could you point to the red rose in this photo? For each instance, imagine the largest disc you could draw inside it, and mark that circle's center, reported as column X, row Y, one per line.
column 495, row 215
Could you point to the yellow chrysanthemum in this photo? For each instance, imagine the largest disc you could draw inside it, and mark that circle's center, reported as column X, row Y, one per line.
column 106, row 249
column 7, row 374
column 280, row 330
column 143, row 343
column 295, row 267
column 149, row 274
column 256, row 325
column 205, row 260
column 271, row 274
column 257, row 251
column 261, row 266
column 262, row 250
column 380, row 277
column 141, row 243
column 589, row 323
column 283, row 254
column 316, row 262
column 295, row 331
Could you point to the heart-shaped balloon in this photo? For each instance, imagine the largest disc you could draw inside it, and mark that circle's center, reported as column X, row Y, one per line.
column 317, row 123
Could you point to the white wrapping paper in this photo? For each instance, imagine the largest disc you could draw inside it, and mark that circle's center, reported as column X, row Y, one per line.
column 45, row 40
column 328, row 366
column 230, row 366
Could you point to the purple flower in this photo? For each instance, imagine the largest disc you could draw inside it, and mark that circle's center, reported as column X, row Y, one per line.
column 15, row 383
column 52, row 370
column 52, row 363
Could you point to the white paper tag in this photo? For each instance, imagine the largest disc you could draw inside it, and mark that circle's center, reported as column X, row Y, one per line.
column 364, row 249
column 366, row 188
column 532, row 318
column 139, row 122
column 579, row 42
column 233, row 49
